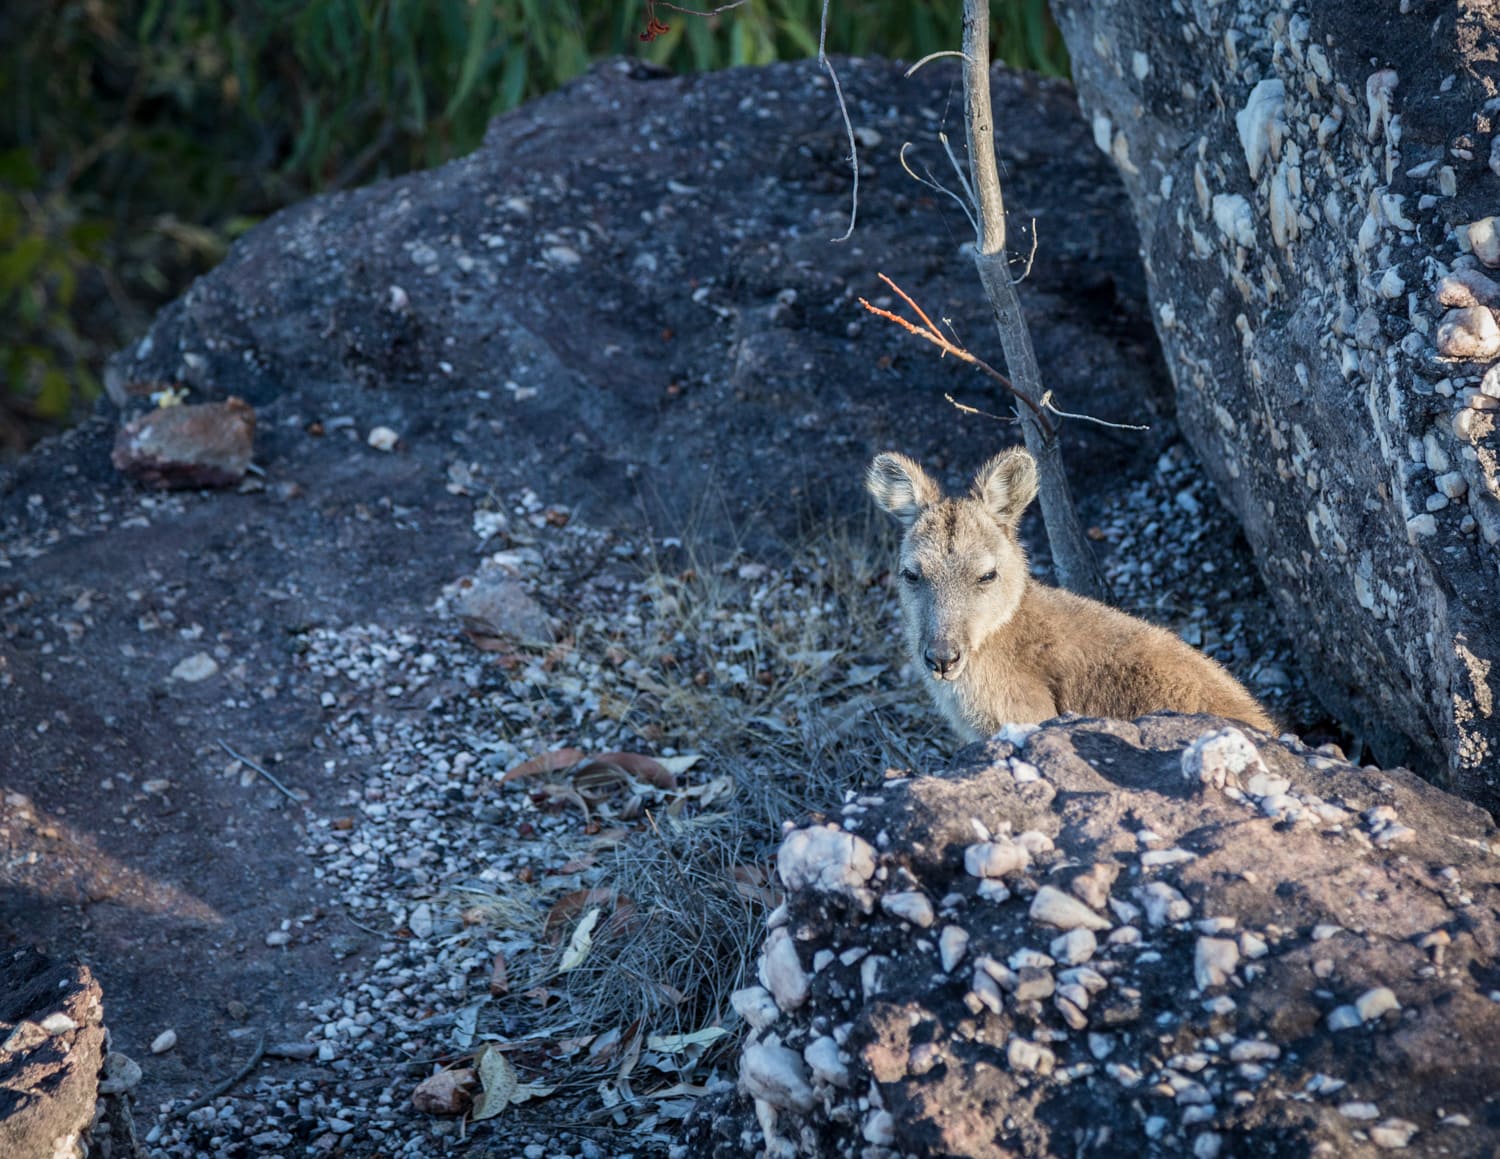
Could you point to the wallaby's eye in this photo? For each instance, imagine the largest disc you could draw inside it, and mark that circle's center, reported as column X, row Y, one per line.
column 987, row 578
column 910, row 576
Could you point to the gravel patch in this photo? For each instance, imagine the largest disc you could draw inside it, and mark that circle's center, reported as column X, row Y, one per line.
column 766, row 690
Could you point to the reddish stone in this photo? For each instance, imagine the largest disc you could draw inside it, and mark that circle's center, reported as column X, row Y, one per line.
column 207, row 445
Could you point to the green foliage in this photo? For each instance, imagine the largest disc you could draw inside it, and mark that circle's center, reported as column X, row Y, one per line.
column 151, row 132
column 44, row 248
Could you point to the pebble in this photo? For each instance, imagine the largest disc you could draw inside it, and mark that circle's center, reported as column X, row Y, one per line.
column 382, row 438
column 164, row 1042
column 1029, row 1056
column 953, row 942
column 1344, row 1018
column 756, row 1006
column 910, row 906
column 199, row 666
column 1373, row 1003
column 776, row 1074
column 825, row 859
column 1052, row 907
column 781, row 972
column 1214, row 961
column 995, row 859
column 1392, row 1134
column 1484, row 240
column 1074, row 947
column 1468, row 333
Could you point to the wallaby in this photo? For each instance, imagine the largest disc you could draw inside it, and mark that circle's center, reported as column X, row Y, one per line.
column 1001, row 647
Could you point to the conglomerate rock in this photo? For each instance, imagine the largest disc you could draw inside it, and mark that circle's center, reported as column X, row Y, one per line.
column 1168, row 937
column 1315, row 185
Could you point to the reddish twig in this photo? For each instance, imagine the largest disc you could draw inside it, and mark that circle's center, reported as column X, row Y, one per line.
column 655, row 27
column 930, row 333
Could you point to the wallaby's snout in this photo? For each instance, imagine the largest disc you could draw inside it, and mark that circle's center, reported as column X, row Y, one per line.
column 943, row 658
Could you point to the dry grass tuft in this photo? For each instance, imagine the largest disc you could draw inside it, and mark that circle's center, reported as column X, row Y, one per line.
column 787, row 681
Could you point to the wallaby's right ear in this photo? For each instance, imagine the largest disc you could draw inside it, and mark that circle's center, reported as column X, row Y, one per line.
column 900, row 486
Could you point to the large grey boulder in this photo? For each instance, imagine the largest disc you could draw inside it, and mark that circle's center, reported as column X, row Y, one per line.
column 1313, row 183
column 629, row 293
column 1168, row 937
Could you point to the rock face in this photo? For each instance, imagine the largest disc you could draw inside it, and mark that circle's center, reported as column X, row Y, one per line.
column 1312, row 184
column 1198, row 941
column 51, row 1048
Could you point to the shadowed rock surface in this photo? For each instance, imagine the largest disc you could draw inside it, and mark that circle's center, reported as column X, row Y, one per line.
column 1168, row 937
column 625, row 303
column 630, row 291
column 1314, row 185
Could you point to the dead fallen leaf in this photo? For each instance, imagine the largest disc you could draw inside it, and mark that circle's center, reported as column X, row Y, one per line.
column 554, row 797
column 449, row 1092
column 498, row 1078
column 581, row 942
column 570, row 905
column 548, row 762
column 677, row 1043
column 641, row 767
column 499, row 976
column 631, row 1054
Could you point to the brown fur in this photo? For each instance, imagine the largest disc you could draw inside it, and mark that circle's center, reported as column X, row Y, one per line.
column 1000, row 647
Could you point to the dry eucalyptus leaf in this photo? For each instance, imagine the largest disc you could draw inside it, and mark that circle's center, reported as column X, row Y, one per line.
column 498, row 1078
column 580, row 943
column 449, row 1092
column 548, row 762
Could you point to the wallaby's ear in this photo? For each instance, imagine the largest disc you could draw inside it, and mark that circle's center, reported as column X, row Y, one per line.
column 900, row 486
column 1006, row 485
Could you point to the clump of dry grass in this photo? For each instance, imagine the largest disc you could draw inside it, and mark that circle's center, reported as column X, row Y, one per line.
column 787, row 682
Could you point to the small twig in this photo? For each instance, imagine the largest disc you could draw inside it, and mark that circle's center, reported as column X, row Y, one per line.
column 1047, row 403
column 696, row 12
column 929, row 331
column 362, row 926
column 1031, row 257
column 933, row 56
column 974, row 410
column 838, row 92
column 963, row 176
column 228, row 1084
column 285, row 792
column 934, row 184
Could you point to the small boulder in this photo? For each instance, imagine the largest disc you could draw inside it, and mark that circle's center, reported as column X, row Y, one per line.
column 176, row 447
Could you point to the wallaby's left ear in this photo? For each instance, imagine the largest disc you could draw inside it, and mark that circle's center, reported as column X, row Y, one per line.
column 1006, row 485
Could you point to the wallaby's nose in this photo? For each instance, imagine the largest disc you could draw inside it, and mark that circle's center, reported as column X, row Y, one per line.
column 941, row 659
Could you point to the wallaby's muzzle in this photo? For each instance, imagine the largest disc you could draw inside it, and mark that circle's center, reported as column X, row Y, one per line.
column 944, row 660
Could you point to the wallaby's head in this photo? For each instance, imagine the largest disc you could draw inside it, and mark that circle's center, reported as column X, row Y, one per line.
column 962, row 567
